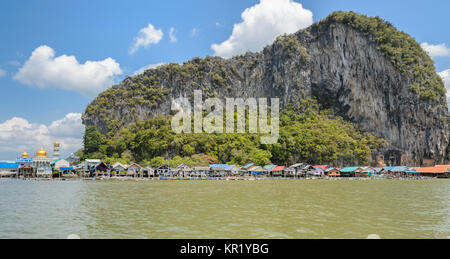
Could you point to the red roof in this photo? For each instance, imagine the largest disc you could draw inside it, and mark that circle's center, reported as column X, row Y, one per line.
column 251, row 167
column 323, row 167
column 278, row 168
column 439, row 169
column 134, row 166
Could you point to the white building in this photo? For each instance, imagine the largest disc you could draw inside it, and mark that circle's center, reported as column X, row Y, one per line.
column 60, row 163
column 41, row 163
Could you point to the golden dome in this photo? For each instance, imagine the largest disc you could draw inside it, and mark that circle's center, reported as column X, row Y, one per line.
column 56, row 144
column 25, row 155
column 41, row 153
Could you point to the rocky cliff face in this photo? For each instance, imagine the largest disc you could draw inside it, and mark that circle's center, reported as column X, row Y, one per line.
column 334, row 62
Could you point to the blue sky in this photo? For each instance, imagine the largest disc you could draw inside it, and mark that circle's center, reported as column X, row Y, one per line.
column 102, row 29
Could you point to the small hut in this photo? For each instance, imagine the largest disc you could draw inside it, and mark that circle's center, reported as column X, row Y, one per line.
column 333, row 172
column 258, row 171
column 8, row 169
column 183, row 170
column 118, row 168
column 148, row 172
column 223, row 170
column 101, row 169
column 163, row 170
column 201, row 171
column 297, row 169
column 279, row 171
column 134, row 170
column 350, row 171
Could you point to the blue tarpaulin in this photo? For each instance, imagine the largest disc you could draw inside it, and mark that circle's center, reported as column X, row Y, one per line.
column 9, row 165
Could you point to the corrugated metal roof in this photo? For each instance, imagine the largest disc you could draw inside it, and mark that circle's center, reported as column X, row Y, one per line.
column 248, row 166
column 349, row 169
column 279, row 169
column 258, row 169
column 430, row 170
column 297, row 165
column 399, row 169
column 270, row 167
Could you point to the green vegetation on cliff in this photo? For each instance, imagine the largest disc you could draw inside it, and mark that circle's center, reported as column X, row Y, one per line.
column 313, row 136
column 292, row 46
column 403, row 51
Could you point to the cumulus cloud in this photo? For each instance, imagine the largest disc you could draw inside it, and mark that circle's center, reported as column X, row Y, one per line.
column 446, row 77
column 142, row 69
column 172, row 37
column 43, row 70
column 261, row 24
column 18, row 135
column 439, row 50
column 148, row 35
column 2, row 73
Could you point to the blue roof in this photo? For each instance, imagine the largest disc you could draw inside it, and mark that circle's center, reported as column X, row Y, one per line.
column 350, row 169
column 412, row 171
column 9, row 165
column 66, row 168
column 388, row 168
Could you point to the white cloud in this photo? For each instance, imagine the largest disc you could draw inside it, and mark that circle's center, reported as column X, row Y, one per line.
column 172, row 37
column 446, row 77
column 218, row 24
column 2, row 73
column 142, row 69
column 439, row 50
column 148, row 35
column 261, row 24
column 18, row 135
column 44, row 70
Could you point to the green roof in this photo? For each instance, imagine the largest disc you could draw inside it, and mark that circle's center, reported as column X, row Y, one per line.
column 349, row 169
column 52, row 163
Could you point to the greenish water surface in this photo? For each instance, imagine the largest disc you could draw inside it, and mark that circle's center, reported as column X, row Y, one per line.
column 225, row 209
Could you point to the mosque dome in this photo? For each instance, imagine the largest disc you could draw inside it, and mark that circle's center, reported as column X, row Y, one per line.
column 56, row 144
column 41, row 153
column 25, row 155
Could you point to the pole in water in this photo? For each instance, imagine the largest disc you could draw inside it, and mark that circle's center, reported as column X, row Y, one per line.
column 373, row 236
column 73, row 236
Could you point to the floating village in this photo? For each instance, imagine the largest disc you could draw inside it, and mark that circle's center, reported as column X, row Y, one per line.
column 42, row 167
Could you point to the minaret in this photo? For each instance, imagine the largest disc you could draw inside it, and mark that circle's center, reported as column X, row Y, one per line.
column 56, row 147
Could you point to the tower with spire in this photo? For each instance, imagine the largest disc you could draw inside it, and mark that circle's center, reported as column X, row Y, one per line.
column 56, row 148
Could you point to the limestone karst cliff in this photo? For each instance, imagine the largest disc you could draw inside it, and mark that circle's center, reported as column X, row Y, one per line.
column 358, row 67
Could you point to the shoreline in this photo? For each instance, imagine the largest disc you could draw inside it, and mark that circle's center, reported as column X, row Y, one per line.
column 218, row 179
